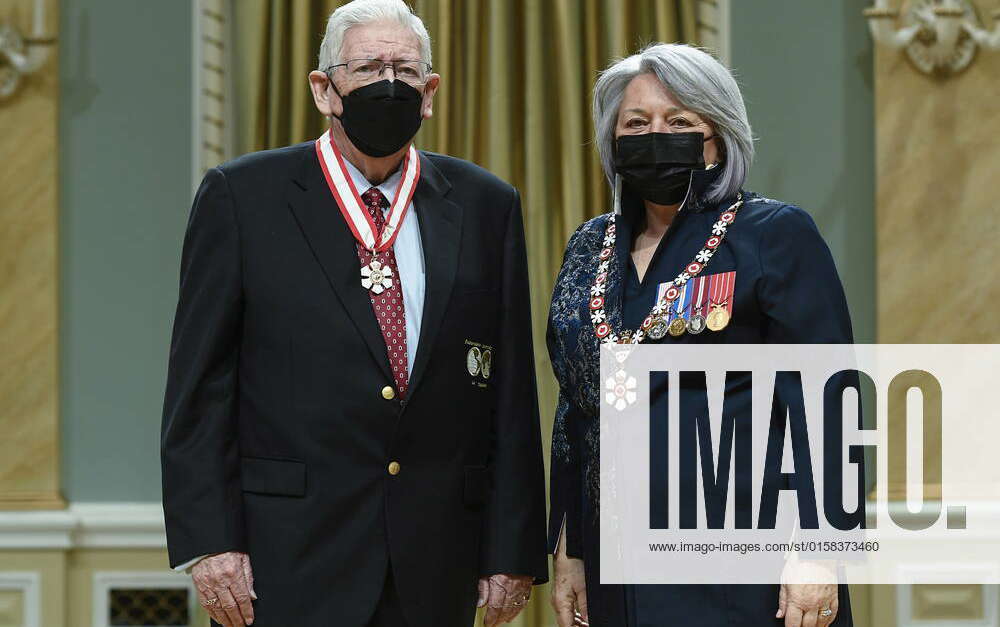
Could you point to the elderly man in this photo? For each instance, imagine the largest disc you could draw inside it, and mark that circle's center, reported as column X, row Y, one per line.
column 350, row 429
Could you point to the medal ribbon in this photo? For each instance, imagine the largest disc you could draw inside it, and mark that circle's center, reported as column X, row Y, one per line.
column 357, row 217
column 682, row 301
column 721, row 290
column 729, row 292
column 697, row 303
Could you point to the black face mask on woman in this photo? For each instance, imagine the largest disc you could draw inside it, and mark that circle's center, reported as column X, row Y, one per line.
column 382, row 117
column 658, row 166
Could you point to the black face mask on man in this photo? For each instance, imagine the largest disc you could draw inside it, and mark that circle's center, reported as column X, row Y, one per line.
column 381, row 117
column 658, row 166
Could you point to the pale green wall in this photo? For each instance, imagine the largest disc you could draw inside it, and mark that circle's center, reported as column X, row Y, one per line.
column 125, row 191
column 806, row 72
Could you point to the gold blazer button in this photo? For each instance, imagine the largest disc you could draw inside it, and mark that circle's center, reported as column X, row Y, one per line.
column 393, row 468
column 388, row 393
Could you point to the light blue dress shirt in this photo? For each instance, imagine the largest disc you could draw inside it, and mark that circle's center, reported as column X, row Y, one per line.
column 410, row 261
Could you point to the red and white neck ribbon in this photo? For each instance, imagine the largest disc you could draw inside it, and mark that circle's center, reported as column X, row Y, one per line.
column 349, row 201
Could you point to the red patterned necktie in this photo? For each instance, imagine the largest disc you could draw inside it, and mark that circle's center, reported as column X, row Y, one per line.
column 388, row 306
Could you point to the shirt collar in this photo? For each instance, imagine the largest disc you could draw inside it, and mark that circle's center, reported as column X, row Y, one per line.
column 387, row 187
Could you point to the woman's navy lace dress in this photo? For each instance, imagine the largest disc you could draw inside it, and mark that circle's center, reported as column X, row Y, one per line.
column 786, row 291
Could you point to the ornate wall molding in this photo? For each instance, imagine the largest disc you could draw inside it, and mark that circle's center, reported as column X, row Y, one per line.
column 938, row 36
column 212, row 86
column 713, row 28
column 85, row 525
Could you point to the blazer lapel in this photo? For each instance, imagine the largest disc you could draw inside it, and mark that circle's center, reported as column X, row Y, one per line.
column 440, row 234
column 335, row 249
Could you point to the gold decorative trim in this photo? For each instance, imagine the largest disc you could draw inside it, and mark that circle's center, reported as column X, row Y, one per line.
column 948, row 11
column 712, row 24
column 880, row 12
column 213, row 102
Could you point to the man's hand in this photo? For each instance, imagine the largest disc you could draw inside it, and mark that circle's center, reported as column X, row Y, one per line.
column 225, row 588
column 504, row 597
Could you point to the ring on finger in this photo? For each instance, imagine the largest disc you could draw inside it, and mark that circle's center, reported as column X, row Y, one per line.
column 826, row 612
column 210, row 602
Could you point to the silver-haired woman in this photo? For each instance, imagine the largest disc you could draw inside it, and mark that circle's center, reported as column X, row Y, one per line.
column 692, row 257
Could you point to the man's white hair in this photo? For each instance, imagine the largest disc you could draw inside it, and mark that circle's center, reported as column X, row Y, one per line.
column 363, row 12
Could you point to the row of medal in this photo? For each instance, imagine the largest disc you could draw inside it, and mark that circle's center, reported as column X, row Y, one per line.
column 703, row 302
column 658, row 322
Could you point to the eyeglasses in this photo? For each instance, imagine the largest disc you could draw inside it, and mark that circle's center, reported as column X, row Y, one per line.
column 408, row 71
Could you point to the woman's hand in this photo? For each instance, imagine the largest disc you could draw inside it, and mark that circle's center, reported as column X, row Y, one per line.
column 569, row 592
column 569, row 588
column 812, row 604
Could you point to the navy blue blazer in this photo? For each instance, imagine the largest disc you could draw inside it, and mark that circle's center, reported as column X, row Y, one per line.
column 787, row 290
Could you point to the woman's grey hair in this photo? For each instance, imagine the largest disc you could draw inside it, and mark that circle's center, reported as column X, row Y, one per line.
column 699, row 83
column 362, row 12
